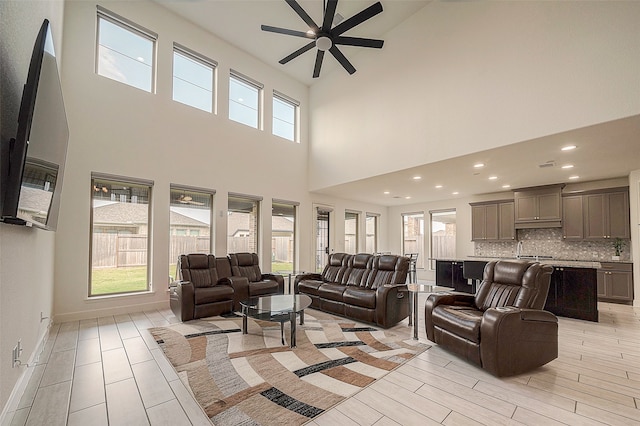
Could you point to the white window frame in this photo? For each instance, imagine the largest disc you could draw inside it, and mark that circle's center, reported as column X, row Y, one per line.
column 134, row 28
column 278, row 96
column 259, row 87
column 355, row 216
column 376, row 228
column 202, row 60
column 258, row 201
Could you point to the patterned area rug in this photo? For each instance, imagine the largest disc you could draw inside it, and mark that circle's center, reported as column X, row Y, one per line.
column 253, row 379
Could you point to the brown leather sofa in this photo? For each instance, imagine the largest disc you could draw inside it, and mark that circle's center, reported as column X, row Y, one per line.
column 503, row 328
column 210, row 285
column 363, row 287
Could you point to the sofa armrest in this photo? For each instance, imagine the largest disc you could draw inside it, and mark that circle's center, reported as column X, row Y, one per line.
column 302, row 277
column 240, row 289
column 277, row 278
column 185, row 292
column 515, row 340
column 392, row 304
column 443, row 298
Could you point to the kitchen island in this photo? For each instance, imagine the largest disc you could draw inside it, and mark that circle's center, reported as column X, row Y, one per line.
column 573, row 291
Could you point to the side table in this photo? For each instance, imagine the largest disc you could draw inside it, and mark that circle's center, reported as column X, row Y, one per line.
column 414, row 291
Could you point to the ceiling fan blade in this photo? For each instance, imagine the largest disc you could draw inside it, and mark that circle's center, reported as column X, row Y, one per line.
column 342, row 59
column 301, row 13
column 298, row 52
column 318, row 65
column 287, row 32
column 357, row 41
column 357, row 19
column 329, row 14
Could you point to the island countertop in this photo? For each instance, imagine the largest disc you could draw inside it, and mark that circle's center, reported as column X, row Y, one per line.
column 567, row 263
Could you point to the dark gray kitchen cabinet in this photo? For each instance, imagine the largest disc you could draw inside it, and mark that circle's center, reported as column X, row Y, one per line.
column 606, row 215
column 572, row 218
column 538, row 207
column 615, row 282
column 492, row 221
column 450, row 273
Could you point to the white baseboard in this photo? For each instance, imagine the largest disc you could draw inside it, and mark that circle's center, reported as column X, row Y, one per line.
column 119, row 310
column 21, row 384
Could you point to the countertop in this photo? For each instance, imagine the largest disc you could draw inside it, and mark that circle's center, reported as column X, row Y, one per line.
column 575, row 263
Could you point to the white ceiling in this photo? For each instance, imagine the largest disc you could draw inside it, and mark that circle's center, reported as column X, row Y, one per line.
column 238, row 22
column 606, row 150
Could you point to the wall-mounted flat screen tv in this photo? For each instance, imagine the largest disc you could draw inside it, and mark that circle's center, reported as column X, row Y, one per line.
column 34, row 167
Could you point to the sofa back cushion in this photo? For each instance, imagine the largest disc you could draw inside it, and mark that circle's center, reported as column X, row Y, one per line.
column 198, row 268
column 388, row 269
column 246, row 265
column 358, row 270
column 516, row 283
column 336, row 266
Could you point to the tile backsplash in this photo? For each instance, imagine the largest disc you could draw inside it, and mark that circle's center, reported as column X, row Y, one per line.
column 549, row 242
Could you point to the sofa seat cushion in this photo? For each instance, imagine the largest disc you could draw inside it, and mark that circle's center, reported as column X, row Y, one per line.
column 331, row 291
column 260, row 288
column 359, row 296
column 463, row 321
column 217, row 293
column 309, row 286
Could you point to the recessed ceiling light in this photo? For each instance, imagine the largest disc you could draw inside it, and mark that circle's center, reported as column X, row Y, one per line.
column 574, row 177
column 386, row 193
column 417, row 177
column 568, row 147
column 493, row 177
column 506, row 186
column 140, row 59
column 478, row 165
column 438, row 186
column 455, row 193
column 407, row 198
column 567, row 166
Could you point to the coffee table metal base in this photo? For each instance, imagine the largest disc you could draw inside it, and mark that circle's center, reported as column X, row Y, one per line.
column 282, row 318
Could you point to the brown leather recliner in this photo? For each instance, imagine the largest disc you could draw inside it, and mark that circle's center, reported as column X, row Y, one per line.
column 258, row 284
column 503, row 328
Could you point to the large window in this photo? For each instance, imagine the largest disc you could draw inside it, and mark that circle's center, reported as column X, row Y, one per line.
column 244, row 100
column 443, row 234
column 413, row 236
column 190, row 231
column 285, row 116
column 283, row 235
column 242, row 223
column 125, row 51
column 371, row 225
column 119, row 235
column 193, row 78
column 351, row 232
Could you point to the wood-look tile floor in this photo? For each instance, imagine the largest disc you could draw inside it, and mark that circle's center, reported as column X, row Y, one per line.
column 109, row 371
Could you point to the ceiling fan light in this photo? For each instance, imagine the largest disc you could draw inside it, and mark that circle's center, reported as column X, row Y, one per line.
column 323, row 43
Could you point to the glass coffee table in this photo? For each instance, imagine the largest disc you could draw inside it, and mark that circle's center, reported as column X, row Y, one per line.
column 278, row 308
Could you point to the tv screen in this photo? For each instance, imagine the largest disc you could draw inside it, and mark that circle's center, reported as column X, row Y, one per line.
column 33, row 180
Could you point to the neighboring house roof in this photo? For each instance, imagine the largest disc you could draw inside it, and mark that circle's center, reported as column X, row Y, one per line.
column 281, row 224
column 129, row 213
column 34, row 199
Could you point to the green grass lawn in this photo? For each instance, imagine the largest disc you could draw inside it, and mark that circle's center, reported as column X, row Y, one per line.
column 124, row 280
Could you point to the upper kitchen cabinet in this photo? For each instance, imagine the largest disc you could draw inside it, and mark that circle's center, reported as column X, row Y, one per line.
column 606, row 215
column 572, row 217
column 538, row 207
column 492, row 221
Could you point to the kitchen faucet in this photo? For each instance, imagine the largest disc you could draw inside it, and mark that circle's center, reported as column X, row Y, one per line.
column 519, row 250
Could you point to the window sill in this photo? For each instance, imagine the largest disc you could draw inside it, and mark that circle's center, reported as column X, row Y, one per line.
column 120, row 295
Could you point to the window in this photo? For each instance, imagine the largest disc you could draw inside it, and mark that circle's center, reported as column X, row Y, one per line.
column 413, row 236
column 285, row 116
column 125, row 51
column 443, row 234
column 244, row 100
column 192, row 78
column 283, row 235
column 371, row 225
column 190, row 231
column 351, row 232
column 242, row 223
column 119, row 236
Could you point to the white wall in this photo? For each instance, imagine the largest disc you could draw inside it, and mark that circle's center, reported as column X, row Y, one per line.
column 462, row 77
column 634, row 203
column 26, row 255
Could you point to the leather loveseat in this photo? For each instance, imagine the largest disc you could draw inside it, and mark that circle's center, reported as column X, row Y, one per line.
column 363, row 287
column 503, row 327
column 210, row 285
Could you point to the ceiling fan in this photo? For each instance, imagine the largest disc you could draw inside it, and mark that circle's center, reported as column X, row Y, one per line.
column 328, row 38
